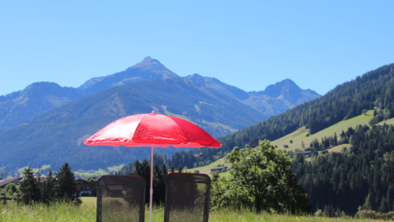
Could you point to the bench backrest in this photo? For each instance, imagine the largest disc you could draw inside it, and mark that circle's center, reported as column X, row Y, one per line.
column 187, row 197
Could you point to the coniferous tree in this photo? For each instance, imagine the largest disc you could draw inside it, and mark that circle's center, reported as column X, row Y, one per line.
column 180, row 169
column 48, row 188
column 143, row 169
column 159, row 183
column 66, row 188
column 29, row 188
column 159, row 176
column 172, row 169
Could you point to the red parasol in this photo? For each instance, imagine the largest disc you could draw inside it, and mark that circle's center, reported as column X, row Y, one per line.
column 154, row 130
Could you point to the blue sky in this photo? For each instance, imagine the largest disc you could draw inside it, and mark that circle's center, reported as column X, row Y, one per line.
column 248, row 44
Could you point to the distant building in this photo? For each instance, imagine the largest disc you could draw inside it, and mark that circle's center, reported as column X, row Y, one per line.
column 286, row 146
column 305, row 153
column 218, row 169
column 3, row 183
column 85, row 188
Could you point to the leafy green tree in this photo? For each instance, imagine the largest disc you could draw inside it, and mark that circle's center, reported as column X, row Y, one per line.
column 29, row 188
column 261, row 178
column 11, row 188
column 66, row 189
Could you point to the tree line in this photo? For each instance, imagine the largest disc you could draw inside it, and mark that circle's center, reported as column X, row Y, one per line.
column 49, row 189
column 184, row 159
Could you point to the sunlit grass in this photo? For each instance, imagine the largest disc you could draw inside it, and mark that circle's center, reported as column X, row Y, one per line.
column 300, row 135
column 87, row 212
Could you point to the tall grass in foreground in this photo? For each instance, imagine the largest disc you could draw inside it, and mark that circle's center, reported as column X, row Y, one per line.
column 87, row 212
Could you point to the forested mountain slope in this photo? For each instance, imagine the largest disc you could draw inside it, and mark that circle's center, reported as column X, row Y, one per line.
column 356, row 177
column 17, row 107
column 345, row 101
column 57, row 136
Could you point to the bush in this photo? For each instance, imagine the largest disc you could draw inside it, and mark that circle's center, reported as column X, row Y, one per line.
column 371, row 214
column 10, row 188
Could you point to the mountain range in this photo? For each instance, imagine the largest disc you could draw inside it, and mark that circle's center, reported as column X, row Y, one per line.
column 17, row 107
column 47, row 124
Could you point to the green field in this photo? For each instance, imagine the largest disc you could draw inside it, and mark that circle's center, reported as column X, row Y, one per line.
column 44, row 167
column 338, row 148
column 300, row 135
column 87, row 213
column 100, row 172
column 207, row 169
column 96, row 173
column 116, row 168
column 389, row 121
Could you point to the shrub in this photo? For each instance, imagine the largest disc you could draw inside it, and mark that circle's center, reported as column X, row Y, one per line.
column 371, row 214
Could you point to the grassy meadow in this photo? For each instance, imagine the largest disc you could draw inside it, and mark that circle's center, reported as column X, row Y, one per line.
column 87, row 212
column 300, row 135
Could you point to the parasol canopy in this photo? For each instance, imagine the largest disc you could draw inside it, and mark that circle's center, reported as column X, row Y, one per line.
column 152, row 129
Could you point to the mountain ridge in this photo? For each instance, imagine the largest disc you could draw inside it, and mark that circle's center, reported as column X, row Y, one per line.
column 147, row 69
column 17, row 107
column 275, row 99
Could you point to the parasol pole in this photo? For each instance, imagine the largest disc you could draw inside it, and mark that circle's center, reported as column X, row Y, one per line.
column 151, row 184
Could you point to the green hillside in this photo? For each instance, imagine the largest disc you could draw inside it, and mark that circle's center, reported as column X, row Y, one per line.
column 303, row 135
column 389, row 121
column 207, row 169
column 346, row 101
